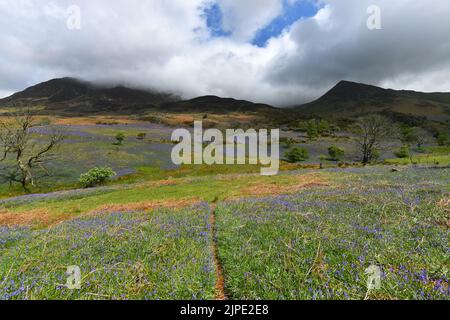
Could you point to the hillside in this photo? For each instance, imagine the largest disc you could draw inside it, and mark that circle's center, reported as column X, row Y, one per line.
column 217, row 105
column 350, row 99
column 73, row 96
column 345, row 101
column 70, row 95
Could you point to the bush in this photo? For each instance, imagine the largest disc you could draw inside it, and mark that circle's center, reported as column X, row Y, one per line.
column 442, row 138
column 421, row 150
column 403, row 153
column 376, row 154
column 336, row 153
column 141, row 136
column 316, row 128
column 288, row 142
column 120, row 137
column 297, row 155
column 96, row 176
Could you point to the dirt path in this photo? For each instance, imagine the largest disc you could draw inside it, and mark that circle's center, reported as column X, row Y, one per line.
column 220, row 280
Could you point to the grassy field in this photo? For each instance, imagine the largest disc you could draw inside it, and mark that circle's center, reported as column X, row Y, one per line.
column 300, row 235
column 162, row 232
column 162, row 254
column 317, row 244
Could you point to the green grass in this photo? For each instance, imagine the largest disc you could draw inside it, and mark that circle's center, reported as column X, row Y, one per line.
column 207, row 188
column 154, row 255
column 314, row 244
column 422, row 159
column 318, row 244
column 440, row 150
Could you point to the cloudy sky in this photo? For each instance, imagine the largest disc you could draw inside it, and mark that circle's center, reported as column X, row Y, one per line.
column 276, row 51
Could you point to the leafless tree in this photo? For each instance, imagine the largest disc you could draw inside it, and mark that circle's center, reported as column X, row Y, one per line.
column 372, row 131
column 421, row 137
column 18, row 146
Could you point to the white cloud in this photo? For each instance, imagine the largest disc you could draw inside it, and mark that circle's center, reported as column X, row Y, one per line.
column 245, row 18
column 166, row 45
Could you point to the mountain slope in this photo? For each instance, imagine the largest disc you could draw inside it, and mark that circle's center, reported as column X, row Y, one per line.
column 68, row 95
column 217, row 105
column 346, row 100
column 350, row 99
column 76, row 96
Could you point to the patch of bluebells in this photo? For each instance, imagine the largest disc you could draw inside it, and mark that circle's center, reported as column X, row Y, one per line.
column 58, row 195
column 336, row 234
column 162, row 254
column 10, row 235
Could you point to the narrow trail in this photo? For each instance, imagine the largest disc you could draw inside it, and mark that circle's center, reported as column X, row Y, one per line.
column 220, row 280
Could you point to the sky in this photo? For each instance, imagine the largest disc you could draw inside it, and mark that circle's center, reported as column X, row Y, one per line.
column 281, row 52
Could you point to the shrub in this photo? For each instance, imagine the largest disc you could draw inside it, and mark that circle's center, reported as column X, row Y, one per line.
column 96, row 176
column 120, row 137
column 288, row 142
column 442, row 138
column 316, row 128
column 336, row 153
column 421, row 150
column 376, row 154
column 297, row 155
column 141, row 136
column 403, row 153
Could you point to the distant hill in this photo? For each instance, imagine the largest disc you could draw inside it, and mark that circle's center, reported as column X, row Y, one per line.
column 217, row 105
column 349, row 99
column 345, row 101
column 70, row 95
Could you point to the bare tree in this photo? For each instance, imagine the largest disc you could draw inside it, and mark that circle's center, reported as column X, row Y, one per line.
column 416, row 135
column 372, row 131
column 421, row 137
column 18, row 146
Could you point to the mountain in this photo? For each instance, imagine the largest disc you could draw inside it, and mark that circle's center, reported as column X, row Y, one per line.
column 71, row 95
column 349, row 99
column 345, row 101
column 216, row 104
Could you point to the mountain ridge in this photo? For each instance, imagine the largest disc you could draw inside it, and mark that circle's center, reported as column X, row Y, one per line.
column 71, row 94
column 351, row 99
column 79, row 96
column 346, row 99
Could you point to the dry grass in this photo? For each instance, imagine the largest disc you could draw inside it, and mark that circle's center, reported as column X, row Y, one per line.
column 298, row 183
column 91, row 120
column 30, row 218
column 213, row 120
column 43, row 218
column 94, row 120
column 444, row 204
column 145, row 206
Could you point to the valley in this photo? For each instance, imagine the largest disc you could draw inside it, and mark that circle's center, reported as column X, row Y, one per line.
column 146, row 233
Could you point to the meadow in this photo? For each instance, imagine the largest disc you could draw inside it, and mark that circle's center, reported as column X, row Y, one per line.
column 317, row 244
column 157, row 231
column 163, row 254
column 146, row 153
column 309, row 234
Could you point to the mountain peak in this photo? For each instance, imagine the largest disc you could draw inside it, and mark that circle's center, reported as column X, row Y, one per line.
column 75, row 95
column 350, row 85
column 349, row 99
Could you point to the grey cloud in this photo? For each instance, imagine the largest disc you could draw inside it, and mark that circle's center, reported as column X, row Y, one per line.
column 413, row 43
column 166, row 45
